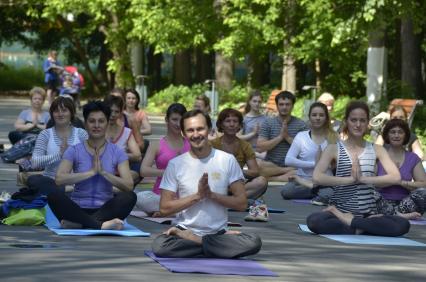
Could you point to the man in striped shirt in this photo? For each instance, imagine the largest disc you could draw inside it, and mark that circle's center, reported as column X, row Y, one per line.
column 275, row 137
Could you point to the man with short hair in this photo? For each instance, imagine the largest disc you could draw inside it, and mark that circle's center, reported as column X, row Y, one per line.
column 199, row 186
column 275, row 137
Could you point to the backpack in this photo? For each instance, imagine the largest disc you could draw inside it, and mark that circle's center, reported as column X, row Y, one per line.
column 21, row 149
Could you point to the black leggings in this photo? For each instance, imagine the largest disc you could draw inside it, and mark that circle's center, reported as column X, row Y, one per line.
column 387, row 225
column 118, row 207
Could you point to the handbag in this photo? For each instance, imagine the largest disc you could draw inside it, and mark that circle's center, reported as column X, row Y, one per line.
column 21, row 149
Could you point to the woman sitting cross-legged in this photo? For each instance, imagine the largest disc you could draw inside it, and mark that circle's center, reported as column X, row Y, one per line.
column 94, row 166
column 122, row 136
column 229, row 122
column 32, row 120
column 51, row 144
column 160, row 153
column 406, row 198
column 304, row 153
column 353, row 207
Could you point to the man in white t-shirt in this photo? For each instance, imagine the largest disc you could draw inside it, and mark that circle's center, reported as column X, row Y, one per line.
column 199, row 186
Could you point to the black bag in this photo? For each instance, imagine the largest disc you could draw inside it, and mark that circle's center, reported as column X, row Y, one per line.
column 21, row 149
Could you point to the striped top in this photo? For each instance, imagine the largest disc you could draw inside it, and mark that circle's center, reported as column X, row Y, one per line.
column 47, row 149
column 271, row 128
column 355, row 198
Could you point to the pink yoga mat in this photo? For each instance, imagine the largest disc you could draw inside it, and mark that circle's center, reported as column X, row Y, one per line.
column 243, row 267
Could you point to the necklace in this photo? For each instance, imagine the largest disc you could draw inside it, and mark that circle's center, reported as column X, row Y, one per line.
column 94, row 148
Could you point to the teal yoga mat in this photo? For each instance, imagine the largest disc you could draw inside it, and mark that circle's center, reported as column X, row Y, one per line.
column 53, row 225
column 367, row 239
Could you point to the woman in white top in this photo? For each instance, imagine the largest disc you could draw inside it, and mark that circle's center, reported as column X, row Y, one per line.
column 305, row 152
column 51, row 144
column 122, row 136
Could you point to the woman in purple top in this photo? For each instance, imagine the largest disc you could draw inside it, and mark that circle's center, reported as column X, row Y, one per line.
column 406, row 198
column 94, row 166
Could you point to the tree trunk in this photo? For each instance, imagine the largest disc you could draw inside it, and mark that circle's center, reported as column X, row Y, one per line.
column 411, row 67
column 318, row 78
column 104, row 56
column 376, row 68
column 289, row 73
column 182, row 68
column 224, row 71
column 154, row 70
column 288, row 81
column 203, row 66
column 138, row 58
column 258, row 71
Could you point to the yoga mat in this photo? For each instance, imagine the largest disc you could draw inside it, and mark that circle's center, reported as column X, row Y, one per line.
column 420, row 221
column 53, row 224
column 301, row 201
column 160, row 220
column 167, row 220
column 367, row 239
column 216, row 266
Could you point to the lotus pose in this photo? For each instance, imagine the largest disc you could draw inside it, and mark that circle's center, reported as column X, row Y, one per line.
column 353, row 207
column 406, row 198
column 94, row 166
column 160, row 153
column 199, row 186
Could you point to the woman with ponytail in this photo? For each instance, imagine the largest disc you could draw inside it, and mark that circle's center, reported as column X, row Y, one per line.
column 305, row 152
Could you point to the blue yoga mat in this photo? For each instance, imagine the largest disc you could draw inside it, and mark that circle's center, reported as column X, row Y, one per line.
column 53, row 224
column 367, row 239
column 243, row 267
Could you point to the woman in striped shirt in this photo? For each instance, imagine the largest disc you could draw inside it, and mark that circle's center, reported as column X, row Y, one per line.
column 353, row 207
column 51, row 144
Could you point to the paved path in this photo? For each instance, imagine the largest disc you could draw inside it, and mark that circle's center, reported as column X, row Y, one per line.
column 294, row 255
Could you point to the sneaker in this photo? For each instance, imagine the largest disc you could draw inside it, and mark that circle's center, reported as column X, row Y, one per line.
column 4, row 197
column 257, row 213
column 319, row 201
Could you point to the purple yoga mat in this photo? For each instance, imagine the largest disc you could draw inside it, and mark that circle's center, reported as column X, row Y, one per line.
column 420, row 221
column 302, row 201
column 241, row 267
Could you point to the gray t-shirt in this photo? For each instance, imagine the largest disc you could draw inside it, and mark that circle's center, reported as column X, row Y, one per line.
column 271, row 128
column 249, row 123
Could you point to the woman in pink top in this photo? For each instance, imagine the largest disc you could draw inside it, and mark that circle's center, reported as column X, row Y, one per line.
column 161, row 153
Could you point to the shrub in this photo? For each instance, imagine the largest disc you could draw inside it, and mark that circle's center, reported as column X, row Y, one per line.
column 172, row 94
column 23, row 78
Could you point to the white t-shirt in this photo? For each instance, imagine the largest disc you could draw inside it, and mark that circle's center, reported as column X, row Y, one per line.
column 182, row 175
column 302, row 154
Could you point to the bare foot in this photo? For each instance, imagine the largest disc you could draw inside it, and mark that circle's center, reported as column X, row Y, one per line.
column 346, row 218
column 410, row 215
column 66, row 224
column 184, row 234
column 157, row 214
column 113, row 224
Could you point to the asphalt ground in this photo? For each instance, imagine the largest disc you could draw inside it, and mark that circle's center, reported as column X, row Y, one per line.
column 292, row 254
